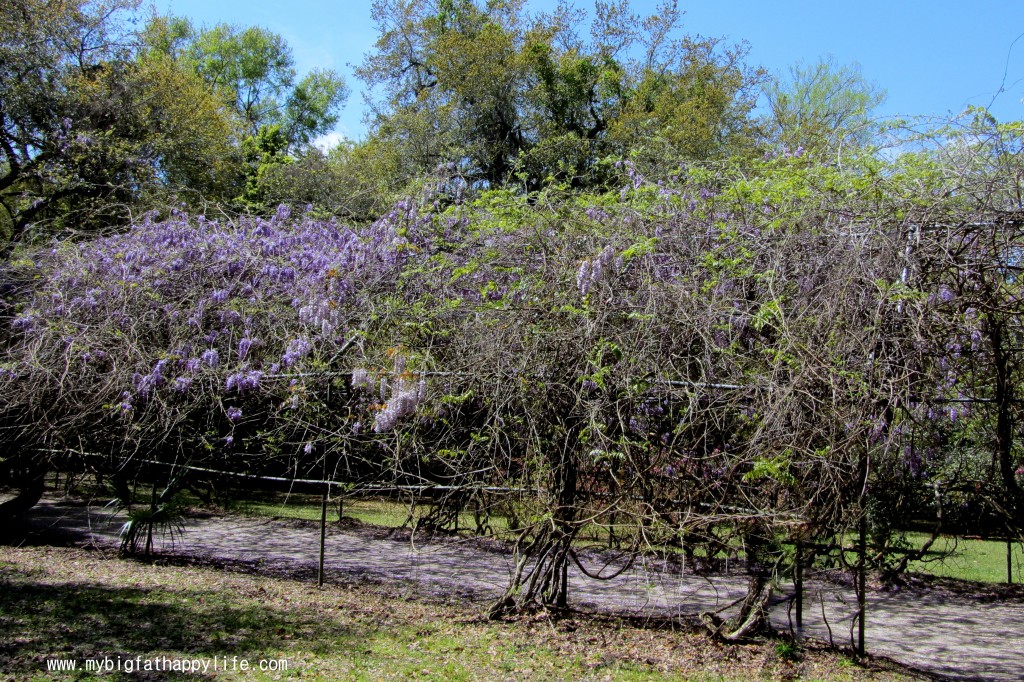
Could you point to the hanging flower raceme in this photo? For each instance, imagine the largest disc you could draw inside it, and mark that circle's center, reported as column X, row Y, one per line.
column 606, row 265
column 401, row 393
column 406, row 394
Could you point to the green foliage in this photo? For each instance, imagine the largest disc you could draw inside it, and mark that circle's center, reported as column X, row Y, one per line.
column 253, row 69
column 263, row 152
column 787, row 651
column 824, row 107
column 358, row 181
column 520, row 98
column 161, row 520
column 697, row 109
column 775, row 468
column 194, row 133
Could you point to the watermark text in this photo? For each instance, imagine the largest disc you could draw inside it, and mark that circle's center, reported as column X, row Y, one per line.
column 124, row 664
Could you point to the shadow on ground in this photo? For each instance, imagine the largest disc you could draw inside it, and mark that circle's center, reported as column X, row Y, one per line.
column 41, row 620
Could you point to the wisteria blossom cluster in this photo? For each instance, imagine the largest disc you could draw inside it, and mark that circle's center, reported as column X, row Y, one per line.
column 190, row 316
column 592, row 271
column 177, row 313
column 405, row 394
column 399, row 391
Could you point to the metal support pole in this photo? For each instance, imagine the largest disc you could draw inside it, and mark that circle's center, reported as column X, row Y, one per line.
column 799, row 584
column 862, row 583
column 1009, row 559
column 323, row 539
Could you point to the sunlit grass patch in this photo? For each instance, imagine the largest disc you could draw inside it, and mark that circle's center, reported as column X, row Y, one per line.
column 969, row 559
column 385, row 513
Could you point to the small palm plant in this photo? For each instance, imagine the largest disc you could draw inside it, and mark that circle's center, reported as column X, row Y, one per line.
column 163, row 517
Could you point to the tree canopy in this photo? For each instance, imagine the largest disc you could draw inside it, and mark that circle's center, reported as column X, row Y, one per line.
column 98, row 120
column 515, row 97
column 822, row 107
column 253, row 69
column 69, row 135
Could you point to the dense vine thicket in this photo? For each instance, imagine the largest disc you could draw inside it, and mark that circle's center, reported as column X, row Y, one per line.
column 767, row 353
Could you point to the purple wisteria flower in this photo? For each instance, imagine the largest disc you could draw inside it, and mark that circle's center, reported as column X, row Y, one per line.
column 405, row 396
column 297, row 349
column 593, row 271
column 361, row 378
column 243, row 347
column 243, row 381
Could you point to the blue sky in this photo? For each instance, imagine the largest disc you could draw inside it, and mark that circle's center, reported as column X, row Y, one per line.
column 933, row 58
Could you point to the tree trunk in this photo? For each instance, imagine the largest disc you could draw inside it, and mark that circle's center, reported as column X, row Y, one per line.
column 31, row 483
column 541, row 577
column 1004, row 398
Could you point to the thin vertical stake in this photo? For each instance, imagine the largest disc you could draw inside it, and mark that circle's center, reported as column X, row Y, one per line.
column 1009, row 559
column 149, row 526
column 323, row 538
column 799, row 580
column 862, row 592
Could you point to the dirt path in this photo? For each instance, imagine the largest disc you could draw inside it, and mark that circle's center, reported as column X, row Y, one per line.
column 950, row 636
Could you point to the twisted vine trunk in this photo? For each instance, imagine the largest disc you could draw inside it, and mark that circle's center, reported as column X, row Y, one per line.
column 29, row 477
column 762, row 559
column 541, row 577
column 751, row 616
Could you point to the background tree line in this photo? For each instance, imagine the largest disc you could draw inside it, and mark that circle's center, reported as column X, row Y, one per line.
column 102, row 120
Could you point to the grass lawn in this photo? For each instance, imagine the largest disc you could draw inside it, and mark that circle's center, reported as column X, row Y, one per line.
column 978, row 560
column 76, row 604
column 377, row 512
